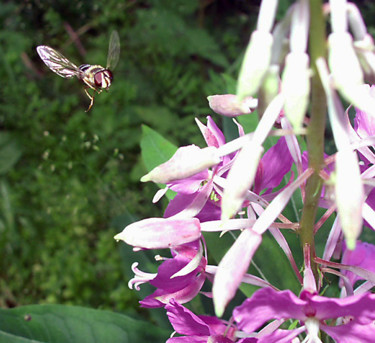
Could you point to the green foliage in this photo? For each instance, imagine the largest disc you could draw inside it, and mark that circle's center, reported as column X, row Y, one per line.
column 56, row 323
column 69, row 178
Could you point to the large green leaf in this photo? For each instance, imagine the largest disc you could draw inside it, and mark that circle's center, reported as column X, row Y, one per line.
column 155, row 148
column 62, row 324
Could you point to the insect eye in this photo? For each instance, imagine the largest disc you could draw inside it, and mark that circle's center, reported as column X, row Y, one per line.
column 109, row 75
column 98, row 79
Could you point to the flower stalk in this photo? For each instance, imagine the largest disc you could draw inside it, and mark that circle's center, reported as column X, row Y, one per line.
column 315, row 133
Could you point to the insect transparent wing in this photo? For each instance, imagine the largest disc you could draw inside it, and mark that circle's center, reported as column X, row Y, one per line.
column 113, row 51
column 57, row 62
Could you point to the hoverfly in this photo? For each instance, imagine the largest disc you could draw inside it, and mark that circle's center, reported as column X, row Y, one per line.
column 93, row 76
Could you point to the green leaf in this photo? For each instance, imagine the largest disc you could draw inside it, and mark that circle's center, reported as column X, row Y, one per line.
column 155, row 148
column 62, row 324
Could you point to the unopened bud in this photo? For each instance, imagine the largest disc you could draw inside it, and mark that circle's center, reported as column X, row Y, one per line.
column 187, row 161
column 228, row 105
column 160, row 233
column 344, row 64
column 296, row 87
column 255, row 64
column 349, row 194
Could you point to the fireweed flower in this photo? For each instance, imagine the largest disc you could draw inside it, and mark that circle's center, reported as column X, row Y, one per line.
column 180, row 277
column 203, row 191
column 199, row 192
column 170, row 285
column 314, row 311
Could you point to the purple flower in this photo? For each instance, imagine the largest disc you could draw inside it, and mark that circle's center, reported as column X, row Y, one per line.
column 197, row 329
column 202, row 192
column 177, row 278
column 199, row 194
column 356, row 314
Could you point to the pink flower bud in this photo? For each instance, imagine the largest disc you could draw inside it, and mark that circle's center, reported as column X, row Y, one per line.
column 228, row 105
column 186, row 162
column 160, row 233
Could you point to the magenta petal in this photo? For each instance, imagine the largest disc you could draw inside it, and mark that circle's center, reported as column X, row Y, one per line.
column 276, row 162
column 184, row 321
column 188, row 339
column 209, row 212
column 281, row 336
column 182, row 296
column 179, row 203
column 362, row 256
column 216, row 132
column 267, row 304
column 169, row 268
column 190, row 184
column 361, row 307
column 351, row 332
column 151, row 302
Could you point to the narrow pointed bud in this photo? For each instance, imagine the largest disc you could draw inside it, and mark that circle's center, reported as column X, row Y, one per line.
column 344, row 65
column 186, row 162
column 296, row 87
column 232, row 268
column 160, row 233
column 349, row 194
column 255, row 64
column 228, row 105
column 240, row 179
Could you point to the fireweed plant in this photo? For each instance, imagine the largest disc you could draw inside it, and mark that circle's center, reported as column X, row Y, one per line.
column 293, row 76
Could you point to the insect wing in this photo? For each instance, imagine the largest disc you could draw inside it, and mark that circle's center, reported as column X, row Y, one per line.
column 113, row 51
column 57, row 62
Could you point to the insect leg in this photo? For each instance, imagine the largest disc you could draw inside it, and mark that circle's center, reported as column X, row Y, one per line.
column 91, row 97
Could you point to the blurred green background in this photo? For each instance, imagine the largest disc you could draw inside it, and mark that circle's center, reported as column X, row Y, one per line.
column 69, row 180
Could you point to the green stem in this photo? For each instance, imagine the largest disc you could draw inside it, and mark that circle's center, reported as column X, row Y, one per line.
column 315, row 134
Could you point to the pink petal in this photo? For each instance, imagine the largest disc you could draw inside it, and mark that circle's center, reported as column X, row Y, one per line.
column 232, row 268
column 186, row 322
column 267, row 304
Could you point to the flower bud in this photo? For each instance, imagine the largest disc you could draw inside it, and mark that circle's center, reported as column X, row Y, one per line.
column 160, row 233
column 229, row 106
column 255, row 64
column 186, row 162
column 349, row 194
column 296, row 87
column 344, row 64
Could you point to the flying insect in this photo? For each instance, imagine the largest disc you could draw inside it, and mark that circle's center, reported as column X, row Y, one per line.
column 93, row 76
